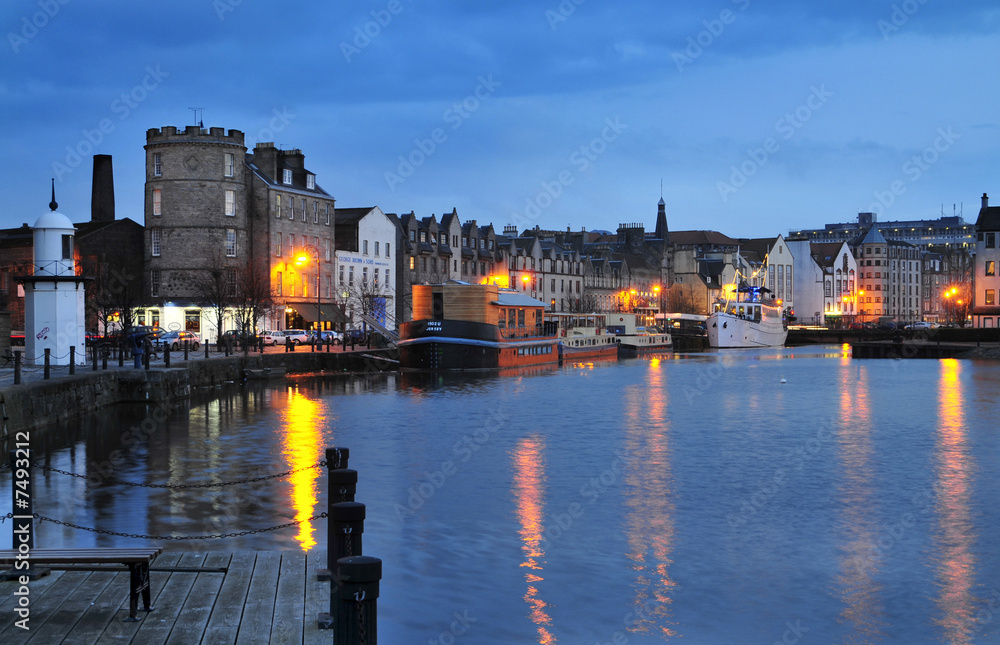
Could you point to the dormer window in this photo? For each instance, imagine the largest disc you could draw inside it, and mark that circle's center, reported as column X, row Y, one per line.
column 286, row 177
column 310, row 181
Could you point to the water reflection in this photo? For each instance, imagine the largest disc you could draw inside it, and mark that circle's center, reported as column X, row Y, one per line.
column 860, row 560
column 529, row 478
column 649, row 501
column 301, row 436
column 955, row 531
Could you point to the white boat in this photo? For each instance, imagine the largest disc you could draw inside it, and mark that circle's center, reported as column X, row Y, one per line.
column 583, row 336
column 634, row 339
column 747, row 324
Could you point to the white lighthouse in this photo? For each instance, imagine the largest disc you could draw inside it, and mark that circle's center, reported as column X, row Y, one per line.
column 54, row 294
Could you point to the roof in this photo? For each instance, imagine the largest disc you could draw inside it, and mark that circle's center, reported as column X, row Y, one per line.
column 515, row 299
column 825, row 253
column 701, row 237
column 874, row 236
column 989, row 219
column 351, row 215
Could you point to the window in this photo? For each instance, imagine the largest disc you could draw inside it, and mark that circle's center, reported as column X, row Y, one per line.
column 376, row 278
column 277, row 206
column 376, row 248
column 413, row 236
column 228, row 164
column 286, row 177
column 157, row 165
column 327, row 214
column 990, row 267
column 412, row 263
column 423, row 236
column 310, row 181
column 387, row 254
column 454, row 240
column 231, row 282
column 423, row 264
column 443, row 239
column 340, row 278
column 991, row 240
column 154, row 283
column 277, row 245
column 473, row 268
column 315, row 212
column 990, row 297
column 291, row 244
column 192, row 320
column 154, row 242
column 364, row 247
column 465, row 240
column 482, row 243
column 303, row 210
column 231, row 203
column 482, row 268
column 553, row 285
column 350, row 277
column 230, row 242
column 329, row 249
column 387, row 272
column 364, row 276
column 277, row 283
column 157, row 205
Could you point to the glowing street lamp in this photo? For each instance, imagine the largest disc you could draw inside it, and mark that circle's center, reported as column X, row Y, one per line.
column 301, row 259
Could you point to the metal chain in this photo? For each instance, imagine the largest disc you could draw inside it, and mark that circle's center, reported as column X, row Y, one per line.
column 174, row 537
column 361, row 620
column 252, row 480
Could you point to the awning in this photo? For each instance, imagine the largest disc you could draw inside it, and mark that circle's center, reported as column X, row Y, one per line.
column 331, row 312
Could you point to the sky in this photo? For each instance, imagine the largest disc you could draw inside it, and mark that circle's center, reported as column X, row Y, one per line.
column 755, row 117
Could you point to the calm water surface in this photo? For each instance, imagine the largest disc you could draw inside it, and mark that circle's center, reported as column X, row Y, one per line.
column 742, row 497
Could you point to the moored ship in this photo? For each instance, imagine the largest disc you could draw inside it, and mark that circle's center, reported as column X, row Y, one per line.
column 464, row 326
column 583, row 336
column 634, row 339
column 750, row 323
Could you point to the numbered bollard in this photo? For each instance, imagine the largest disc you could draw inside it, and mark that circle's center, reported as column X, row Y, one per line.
column 355, row 617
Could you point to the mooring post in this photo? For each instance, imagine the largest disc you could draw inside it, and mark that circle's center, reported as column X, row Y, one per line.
column 187, row 345
column 17, row 367
column 206, row 349
column 342, row 484
column 93, row 357
column 72, row 359
column 356, row 617
column 346, row 521
column 48, row 365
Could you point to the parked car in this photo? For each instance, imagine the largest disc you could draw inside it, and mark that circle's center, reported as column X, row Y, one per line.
column 887, row 326
column 274, row 337
column 922, row 324
column 240, row 337
column 296, row 336
column 175, row 340
column 333, row 337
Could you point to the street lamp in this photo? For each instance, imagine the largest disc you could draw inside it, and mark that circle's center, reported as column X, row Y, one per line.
column 302, row 259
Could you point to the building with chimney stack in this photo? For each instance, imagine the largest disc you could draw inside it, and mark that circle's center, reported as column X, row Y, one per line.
column 985, row 309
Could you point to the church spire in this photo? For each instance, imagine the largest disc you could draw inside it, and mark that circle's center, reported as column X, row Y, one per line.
column 53, row 205
column 661, row 231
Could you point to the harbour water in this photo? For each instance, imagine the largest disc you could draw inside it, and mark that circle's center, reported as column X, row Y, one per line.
column 751, row 496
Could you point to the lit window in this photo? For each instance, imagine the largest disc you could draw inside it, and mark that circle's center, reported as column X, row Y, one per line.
column 154, row 242
column 228, row 164
column 230, row 242
column 990, row 298
column 231, row 203
column 286, row 177
column 277, row 283
column 157, row 198
column 157, row 165
column 990, row 267
column 277, row 206
column 277, row 245
column 412, row 263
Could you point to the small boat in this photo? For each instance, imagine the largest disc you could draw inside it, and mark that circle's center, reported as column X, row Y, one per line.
column 464, row 326
column 583, row 336
column 263, row 373
column 750, row 323
column 635, row 339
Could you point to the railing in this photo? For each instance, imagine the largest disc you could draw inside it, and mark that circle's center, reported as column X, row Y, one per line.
column 391, row 336
column 537, row 331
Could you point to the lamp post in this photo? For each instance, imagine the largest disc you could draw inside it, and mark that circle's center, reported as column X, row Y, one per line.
column 302, row 259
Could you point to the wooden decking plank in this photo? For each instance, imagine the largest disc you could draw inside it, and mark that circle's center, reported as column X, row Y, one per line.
column 36, row 587
column 193, row 619
column 43, row 608
column 155, row 628
column 289, row 604
column 99, row 617
column 317, row 601
column 255, row 628
column 118, row 630
column 63, row 620
column 224, row 623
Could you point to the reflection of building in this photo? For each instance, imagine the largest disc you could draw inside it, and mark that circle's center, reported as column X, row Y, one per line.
column 366, row 264
column 986, row 310
column 216, row 214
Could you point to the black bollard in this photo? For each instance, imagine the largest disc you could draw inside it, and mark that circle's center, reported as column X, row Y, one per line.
column 93, row 358
column 17, row 367
column 206, row 349
column 145, row 360
column 166, row 356
column 121, row 358
column 187, row 346
column 48, row 367
column 346, row 523
column 355, row 617
column 72, row 359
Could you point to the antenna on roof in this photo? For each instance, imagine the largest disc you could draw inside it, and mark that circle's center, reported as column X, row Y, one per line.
column 198, row 112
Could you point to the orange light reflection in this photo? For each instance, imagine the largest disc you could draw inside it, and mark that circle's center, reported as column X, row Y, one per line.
column 302, row 438
column 529, row 477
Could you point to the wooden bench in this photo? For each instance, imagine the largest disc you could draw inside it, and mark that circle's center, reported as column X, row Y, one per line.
column 137, row 561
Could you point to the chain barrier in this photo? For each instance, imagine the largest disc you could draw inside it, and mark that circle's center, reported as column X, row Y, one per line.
column 138, row 536
column 252, row 480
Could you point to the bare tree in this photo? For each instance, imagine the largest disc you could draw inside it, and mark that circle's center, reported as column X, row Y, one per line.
column 371, row 299
column 254, row 296
column 215, row 287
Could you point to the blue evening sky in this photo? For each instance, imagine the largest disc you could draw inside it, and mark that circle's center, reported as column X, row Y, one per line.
column 758, row 116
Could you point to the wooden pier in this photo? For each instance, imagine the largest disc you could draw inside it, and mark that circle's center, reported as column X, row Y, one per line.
column 206, row 597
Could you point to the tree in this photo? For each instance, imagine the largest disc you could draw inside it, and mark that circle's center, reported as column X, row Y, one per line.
column 254, row 296
column 118, row 290
column 215, row 287
column 370, row 299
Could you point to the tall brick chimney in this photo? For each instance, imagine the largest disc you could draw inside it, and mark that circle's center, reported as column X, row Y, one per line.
column 102, row 196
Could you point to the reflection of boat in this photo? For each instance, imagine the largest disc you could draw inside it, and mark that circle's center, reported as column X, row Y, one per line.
column 634, row 339
column 751, row 323
column 583, row 336
column 463, row 326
